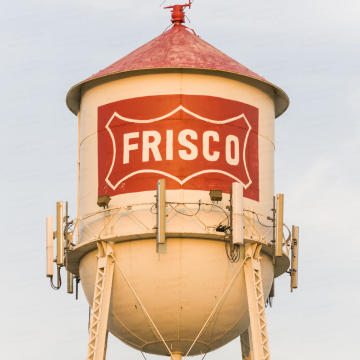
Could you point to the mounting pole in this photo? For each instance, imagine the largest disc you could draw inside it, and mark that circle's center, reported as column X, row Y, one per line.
column 177, row 355
column 279, row 224
column 101, row 303
column 160, row 217
column 237, row 220
column 59, row 233
column 258, row 336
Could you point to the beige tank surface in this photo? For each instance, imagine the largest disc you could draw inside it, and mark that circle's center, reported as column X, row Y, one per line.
column 180, row 291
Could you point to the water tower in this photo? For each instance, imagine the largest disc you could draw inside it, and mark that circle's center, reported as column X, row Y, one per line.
column 178, row 235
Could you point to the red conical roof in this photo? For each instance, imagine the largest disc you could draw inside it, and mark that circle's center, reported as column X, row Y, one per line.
column 176, row 48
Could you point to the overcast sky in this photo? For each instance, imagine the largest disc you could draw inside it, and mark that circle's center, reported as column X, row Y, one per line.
column 310, row 49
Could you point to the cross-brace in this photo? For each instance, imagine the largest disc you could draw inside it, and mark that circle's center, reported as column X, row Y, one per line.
column 258, row 340
column 101, row 303
column 246, row 345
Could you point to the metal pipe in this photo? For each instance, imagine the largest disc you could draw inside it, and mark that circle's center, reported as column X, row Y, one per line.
column 143, row 204
column 77, row 288
column 177, row 355
column 58, row 278
column 70, row 283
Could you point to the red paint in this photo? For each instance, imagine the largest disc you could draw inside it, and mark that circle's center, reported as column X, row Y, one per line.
column 177, row 48
column 177, row 14
column 112, row 171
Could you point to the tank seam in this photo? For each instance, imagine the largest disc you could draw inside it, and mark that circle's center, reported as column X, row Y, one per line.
column 224, row 287
column 231, row 327
column 87, row 193
column 87, row 136
column 127, row 327
column 132, row 274
column 126, row 341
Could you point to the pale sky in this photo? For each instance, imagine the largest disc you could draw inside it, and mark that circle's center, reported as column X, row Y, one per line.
column 311, row 49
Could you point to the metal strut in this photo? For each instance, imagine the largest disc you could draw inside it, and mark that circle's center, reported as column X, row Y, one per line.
column 101, row 303
column 258, row 336
column 246, row 345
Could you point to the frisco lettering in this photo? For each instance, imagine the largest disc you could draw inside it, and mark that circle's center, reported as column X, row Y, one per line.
column 195, row 142
column 151, row 142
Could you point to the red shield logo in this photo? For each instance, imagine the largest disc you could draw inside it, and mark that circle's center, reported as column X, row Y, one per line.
column 194, row 142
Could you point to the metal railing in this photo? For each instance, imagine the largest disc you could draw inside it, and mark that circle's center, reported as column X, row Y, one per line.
column 252, row 230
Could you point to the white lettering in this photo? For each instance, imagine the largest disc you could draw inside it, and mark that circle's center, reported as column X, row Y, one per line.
column 128, row 147
column 186, row 143
column 153, row 146
column 229, row 159
column 169, row 144
column 206, row 145
column 152, row 140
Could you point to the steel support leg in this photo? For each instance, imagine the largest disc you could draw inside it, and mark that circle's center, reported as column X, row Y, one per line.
column 246, row 345
column 258, row 336
column 101, row 303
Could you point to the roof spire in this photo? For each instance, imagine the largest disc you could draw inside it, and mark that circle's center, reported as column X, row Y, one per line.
column 178, row 14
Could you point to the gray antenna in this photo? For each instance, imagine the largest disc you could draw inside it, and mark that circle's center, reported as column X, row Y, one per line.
column 294, row 257
column 59, row 233
column 279, row 224
column 160, row 204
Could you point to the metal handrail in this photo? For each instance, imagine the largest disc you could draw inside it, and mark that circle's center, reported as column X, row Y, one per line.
column 255, row 234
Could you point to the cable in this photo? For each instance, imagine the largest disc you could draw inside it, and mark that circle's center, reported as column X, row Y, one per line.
column 258, row 218
column 235, row 256
column 287, row 240
column 167, row 27
column 216, row 306
column 221, row 209
column 174, row 208
column 162, row 3
column 269, row 302
column 199, row 208
column 212, row 205
column 142, row 306
column 152, row 208
column 208, row 212
column 59, row 280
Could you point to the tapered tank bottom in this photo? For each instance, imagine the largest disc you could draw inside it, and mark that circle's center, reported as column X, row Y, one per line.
column 179, row 291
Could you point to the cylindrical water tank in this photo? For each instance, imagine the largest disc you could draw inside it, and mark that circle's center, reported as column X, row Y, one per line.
column 175, row 109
